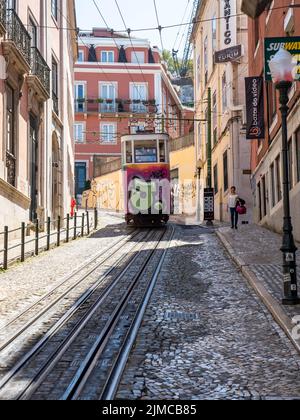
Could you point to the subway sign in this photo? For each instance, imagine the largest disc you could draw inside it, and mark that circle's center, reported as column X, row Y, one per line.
column 273, row 45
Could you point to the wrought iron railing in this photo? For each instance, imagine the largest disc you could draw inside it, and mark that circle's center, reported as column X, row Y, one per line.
column 110, row 106
column 17, row 33
column 182, row 143
column 40, row 68
column 46, row 235
column 3, row 13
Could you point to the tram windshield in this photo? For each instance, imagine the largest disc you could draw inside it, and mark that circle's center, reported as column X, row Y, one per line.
column 146, row 151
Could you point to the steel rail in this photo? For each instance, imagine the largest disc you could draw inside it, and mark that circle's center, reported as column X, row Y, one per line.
column 51, row 361
column 69, row 277
column 80, row 379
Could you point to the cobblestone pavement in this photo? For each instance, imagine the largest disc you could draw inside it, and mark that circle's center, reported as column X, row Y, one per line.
column 259, row 248
column 23, row 284
column 206, row 335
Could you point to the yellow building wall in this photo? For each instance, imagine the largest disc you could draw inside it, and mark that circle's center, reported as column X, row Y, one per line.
column 107, row 193
column 185, row 162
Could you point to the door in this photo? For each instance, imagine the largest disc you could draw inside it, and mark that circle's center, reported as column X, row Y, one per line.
column 33, row 168
column 80, row 178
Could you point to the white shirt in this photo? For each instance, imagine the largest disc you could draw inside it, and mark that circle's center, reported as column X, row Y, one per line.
column 232, row 201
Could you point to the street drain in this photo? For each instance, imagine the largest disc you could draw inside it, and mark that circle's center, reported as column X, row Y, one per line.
column 181, row 316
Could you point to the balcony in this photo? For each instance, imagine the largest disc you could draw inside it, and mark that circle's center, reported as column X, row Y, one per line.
column 17, row 43
column 55, row 103
column 39, row 78
column 99, row 106
column 2, row 17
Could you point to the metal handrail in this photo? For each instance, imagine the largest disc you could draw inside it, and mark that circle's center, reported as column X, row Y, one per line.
column 79, row 224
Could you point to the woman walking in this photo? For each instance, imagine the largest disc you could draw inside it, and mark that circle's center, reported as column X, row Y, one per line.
column 233, row 201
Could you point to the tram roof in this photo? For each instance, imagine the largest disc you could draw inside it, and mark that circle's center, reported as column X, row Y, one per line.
column 147, row 136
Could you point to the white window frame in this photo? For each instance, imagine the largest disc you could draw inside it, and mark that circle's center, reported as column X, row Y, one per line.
column 107, row 52
column 136, row 56
column 81, row 55
column 77, row 104
column 108, row 107
column 138, row 107
column 114, row 134
column 83, row 125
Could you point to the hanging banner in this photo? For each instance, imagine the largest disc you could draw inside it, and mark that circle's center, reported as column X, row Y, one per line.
column 228, row 24
column 273, row 45
column 255, row 108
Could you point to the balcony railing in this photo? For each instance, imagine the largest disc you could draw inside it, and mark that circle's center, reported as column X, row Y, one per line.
column 3, row 13
column 40, row 69
column 17, row 33
column 182, row 143
column 11, row 168
column 100, row 106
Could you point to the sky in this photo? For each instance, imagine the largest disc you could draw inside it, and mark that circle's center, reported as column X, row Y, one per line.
column 140, row 14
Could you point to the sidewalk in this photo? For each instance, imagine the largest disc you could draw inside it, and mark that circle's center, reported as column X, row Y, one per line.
column 256, row 251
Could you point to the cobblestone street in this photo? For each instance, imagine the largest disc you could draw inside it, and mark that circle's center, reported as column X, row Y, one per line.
column 205, row 333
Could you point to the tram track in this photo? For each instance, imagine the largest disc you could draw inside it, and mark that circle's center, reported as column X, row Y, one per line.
column 50, row 347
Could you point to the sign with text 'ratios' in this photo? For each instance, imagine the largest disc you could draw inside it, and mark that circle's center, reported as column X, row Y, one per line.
column 273, row 45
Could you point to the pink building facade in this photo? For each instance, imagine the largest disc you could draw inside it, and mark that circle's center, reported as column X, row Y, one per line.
column 121, row 86
column 37, row 57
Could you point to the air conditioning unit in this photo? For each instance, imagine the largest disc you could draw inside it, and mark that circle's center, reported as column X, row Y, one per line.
column 289, row 21
column 254, row 8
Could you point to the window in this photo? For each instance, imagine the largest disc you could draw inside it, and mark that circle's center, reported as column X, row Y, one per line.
column 205, row 54
column 11, row 135
column 79, row 132
column 278, row 179
column 107, row 57
column 32, row 29
column 298, row 153
column 54, row 9
column 224, row 92
column 55, row 86
column 216, row 183
column 145, row 151
column 215, row 118
column 264, row 196
column 273, row 197
column 138, row 57
column 108, row 133
column 80, row 97
column 225, row 170
column 108, row 92
column 139, row 93
column 81, row 57
column 214, row 36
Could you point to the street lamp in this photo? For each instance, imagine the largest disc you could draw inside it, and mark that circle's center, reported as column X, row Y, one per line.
column 282, row 69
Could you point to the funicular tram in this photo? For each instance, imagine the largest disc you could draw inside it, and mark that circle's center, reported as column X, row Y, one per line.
column 146, row 169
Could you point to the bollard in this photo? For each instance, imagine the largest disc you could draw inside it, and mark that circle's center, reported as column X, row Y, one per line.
column 23, row 242
column 88, row 222
column 95, row 218
column 58, row 231
column 68, row 229
column 48, row 233
column 5, row 255
column 37, row 237
column 82, row 225
column 75, row 226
